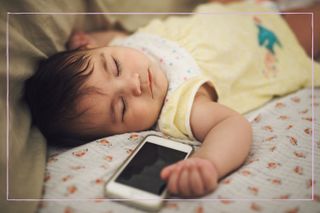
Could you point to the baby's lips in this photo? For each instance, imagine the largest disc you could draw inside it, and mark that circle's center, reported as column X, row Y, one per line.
column 150, row 82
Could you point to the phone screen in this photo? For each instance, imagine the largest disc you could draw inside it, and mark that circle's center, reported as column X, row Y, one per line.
column 143, row 171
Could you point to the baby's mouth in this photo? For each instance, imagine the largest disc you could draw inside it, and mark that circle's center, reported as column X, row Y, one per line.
column 150, row 82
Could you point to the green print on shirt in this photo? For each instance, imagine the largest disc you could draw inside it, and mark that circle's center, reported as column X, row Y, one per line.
column 267, row 38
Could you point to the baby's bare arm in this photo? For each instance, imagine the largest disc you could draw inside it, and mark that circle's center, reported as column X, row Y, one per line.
column 226, row 139
column 225, row 134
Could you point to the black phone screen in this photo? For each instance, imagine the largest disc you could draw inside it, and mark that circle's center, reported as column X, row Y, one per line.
column 143, row 171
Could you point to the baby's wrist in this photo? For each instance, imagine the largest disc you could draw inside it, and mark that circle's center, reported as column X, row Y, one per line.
column 213, row 164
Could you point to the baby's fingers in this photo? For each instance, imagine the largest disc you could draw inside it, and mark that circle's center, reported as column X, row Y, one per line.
column 196, row 183
column 184, row 181
column 173, row 179
column 166, row 171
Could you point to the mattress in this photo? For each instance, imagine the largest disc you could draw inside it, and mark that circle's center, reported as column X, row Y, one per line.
column 279, row 175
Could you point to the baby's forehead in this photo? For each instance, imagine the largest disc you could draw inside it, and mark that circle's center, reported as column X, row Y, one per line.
column 97, row 53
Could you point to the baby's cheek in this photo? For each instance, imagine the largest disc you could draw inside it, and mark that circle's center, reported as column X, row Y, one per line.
column 137, row 60
column 146, row 115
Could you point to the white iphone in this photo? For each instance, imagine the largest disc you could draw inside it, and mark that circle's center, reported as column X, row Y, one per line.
column 138, row 181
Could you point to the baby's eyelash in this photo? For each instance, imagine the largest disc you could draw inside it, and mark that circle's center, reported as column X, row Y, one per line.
column 118, row 65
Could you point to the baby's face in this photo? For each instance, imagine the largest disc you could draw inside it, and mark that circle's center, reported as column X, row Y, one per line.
column 131, row 88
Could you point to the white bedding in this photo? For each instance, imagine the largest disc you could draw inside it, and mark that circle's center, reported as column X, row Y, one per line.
column 276, row 177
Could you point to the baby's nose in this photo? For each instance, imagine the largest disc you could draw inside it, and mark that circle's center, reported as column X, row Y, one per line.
column 135, row 85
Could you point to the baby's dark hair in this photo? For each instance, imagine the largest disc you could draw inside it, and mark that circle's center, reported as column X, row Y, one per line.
column 53, row 91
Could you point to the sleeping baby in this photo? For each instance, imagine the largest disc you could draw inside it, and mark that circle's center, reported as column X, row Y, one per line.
column 190, row 77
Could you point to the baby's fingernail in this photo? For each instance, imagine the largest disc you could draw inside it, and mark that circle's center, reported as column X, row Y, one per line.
column 163, row 176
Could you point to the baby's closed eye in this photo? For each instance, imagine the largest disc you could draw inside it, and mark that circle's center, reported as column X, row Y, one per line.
column 118, row 66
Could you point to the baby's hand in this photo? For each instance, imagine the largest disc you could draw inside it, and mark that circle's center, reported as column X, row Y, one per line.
column 79, row 39
column 192, row 177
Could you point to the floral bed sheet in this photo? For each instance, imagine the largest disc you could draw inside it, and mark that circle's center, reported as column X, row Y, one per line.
column 281, row 173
